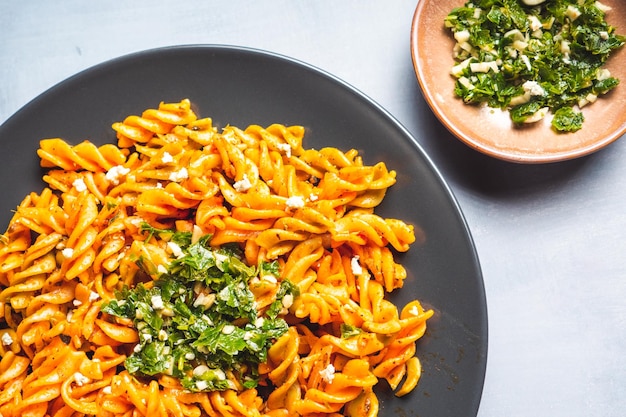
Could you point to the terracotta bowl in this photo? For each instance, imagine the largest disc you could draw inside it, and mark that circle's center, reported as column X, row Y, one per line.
column 490, row 130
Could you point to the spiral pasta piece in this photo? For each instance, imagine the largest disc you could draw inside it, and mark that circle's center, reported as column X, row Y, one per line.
column 101, row 226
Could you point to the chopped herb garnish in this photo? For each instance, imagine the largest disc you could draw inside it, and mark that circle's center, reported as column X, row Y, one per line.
column 533, row 59
column 199, row 321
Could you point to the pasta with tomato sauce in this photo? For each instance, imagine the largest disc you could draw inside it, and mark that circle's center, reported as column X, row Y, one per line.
column 187, row 271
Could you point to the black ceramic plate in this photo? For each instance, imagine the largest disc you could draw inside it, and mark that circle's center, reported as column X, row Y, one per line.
column 241, row 87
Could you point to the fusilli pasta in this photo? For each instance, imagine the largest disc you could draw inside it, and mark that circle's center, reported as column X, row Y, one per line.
column 70, row 249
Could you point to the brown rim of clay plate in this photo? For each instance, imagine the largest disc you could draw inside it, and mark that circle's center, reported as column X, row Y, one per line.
column 490, row 131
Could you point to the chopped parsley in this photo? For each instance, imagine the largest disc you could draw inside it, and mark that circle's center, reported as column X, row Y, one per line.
column 199, row 320
column 533, row 59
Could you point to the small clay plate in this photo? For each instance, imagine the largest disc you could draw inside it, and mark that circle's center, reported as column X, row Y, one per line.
column 490, row 130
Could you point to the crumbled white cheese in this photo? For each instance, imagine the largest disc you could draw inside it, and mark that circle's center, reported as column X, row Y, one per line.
column 157, row 302
column 603, row 7
column 77, row 303
column 313, row 197
column 457, row 70
column 286, row 148
column 107, row 390
column 175, row 249
column 572, row 12
column 79, row 184
column 228, row 329
column 287, row 300
column 166, row 158
column 137, row 348
column 259, row 322
column 93, row 296
column 356, row 266
column 603, row 74
column 201, row 385
column 532, row 2
column 533, row 88
column 179, row 175
column 243, row 185
column 270, row 278
column 7, row 340
column 462, row 36
column 526, row 62
column 190, row 356
column 161, row 269
column 535, row 23
column 67, row 253
column 295, row 202
column 465, row 82
column 220, row 259
column 538, row 115
column 328, row 373
column 115, row 173
column 200, row 370
column 484, row 66
column 205, row 300
column 81, row 379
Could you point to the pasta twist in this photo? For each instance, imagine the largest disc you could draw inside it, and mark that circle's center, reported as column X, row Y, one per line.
column 89, row 234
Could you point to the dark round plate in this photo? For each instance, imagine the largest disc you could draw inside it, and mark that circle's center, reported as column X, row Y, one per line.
column 241, row 86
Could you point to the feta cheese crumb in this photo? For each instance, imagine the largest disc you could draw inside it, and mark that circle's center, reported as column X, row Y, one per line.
column 77, row 303
column 228, row 329
column 107, row 390
column 161, row 269
column 328, row 373
column 115, row 173
column 286, row 148
column 533, row 88
column 484, row 67
column 176, row 250
column 572, row 12
column 157, row 302
column 166, row 158
column 603, row 7
column 93, row 296
column 603, row 74
column 526, row 61
column 137, row 348
column 67, row 253
column 81, row 379
column 190, row 356
column 243, row 185
column 462, row 36
column 356, row 266
column 295, row 202
column 287, row 300
column 535, row 23
column 313, row 197
column 270, row 278
column 180, row 175
column 202, row 385
column 7, row 340
column 538, row 115
column 79, row 184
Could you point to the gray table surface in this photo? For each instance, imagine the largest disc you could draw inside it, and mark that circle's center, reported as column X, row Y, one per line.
column 550, row 237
